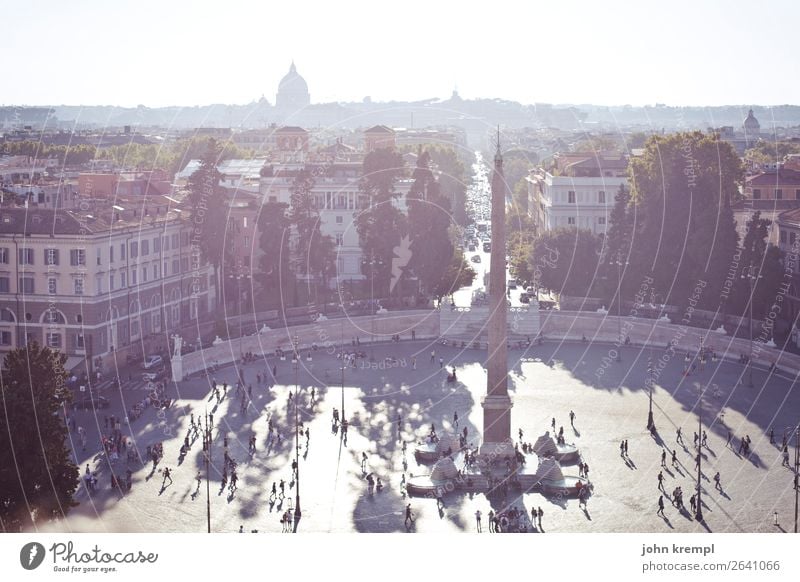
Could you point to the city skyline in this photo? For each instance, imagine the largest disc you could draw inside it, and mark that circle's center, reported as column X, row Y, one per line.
column 535, row 54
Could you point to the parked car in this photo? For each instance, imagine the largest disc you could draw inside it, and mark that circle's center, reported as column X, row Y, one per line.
column 471, row 248
column 476, row 259
column 153, row 361
column 524, row 298
column 512, row 284
column 487, row 247
column 95, row 402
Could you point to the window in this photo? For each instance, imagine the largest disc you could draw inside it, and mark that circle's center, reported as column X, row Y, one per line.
column 51, row 286
column 792, row 237
column 601, row 220
column 244, row 222
column 176, row 266
column 79, row 341
column 53, row 340
column 111, row 282
column 123, row 279
column 26, row 284
column 5, row 338
column 122, row 251
column 5, row 285
column 25, row 256
column 144, row 274
column 155, row 321
column 6, row 315
column 571, row 197
column 339, row 239
column 165, row 270
column 601, row 197
column 571, row 220
column 165, row 243
column 145, row 247
column 246, row 240
column 111, row 254
column 175, row 241
column 796, row 196
column 185, row 264
column 157, row 244
column 779, row 194
column 4, row 252
column 77, row 257
column 134, row 276
column 99, row 255
column 134, row 249
column 339, row 219
column 155, row 271
column 184, row 239
column 98, row 284
column 757, row 194
column 78, row 285
column 50, row 256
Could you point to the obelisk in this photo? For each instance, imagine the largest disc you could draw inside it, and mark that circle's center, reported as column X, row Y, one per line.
column 496, row 404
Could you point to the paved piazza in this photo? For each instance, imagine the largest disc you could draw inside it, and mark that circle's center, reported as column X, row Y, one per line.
column 609, row 407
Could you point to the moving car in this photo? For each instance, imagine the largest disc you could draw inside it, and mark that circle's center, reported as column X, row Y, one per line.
column 487, row 247
column 471, row 248
column 152, row 361
column 92, row 402
column 476, row 259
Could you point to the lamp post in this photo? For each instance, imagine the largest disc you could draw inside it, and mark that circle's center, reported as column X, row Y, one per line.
column 373, row 262
column 749, row 274
column 296, row 364
column 796, row 473
column 698, row 514
column 207, row 460
column 650, row 423
column 619, row 264
column 238, row 275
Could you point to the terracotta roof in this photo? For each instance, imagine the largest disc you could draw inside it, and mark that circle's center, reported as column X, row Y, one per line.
column 775, row 178
column 379, row 129
column 290, row 129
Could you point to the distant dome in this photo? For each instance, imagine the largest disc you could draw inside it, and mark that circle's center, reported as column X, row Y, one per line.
column 751, row 124
column 292, row 90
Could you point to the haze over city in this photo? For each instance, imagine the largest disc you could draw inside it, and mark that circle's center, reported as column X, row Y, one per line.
column 606, row 53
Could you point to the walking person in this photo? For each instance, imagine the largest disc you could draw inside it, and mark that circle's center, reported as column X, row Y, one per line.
column 679, row 436
column 674, row 458
column 660, row 481
column 167, row 475
column 663, row 457
column 626, row 447
column 540, row 515
column 717, row 484
column 409, row 515
column 455, row 419
column 572, row 419
column 730, row 438
column 660, row 506
column 772, row 436
column 478, row 520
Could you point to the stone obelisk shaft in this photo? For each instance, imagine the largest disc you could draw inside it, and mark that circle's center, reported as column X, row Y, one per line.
column 497, row 404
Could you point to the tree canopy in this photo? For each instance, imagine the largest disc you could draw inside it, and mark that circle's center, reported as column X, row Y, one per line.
column 38, row 479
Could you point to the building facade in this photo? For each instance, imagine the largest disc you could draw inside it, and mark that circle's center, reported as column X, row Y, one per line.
column 103, row 280
column 578, row 191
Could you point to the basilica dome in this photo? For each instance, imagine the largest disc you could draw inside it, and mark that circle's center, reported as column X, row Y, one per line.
column 292, row 90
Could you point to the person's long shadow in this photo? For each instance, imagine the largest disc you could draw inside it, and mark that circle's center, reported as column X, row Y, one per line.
column 724, row 494
column 668, row 472
column 586, row 513
column 630, row 464
column 668, row 522
column 576, row 432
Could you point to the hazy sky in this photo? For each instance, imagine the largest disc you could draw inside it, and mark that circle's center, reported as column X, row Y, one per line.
column 169, row 52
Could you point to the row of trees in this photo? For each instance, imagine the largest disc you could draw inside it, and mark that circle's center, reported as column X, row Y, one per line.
column 673, row 228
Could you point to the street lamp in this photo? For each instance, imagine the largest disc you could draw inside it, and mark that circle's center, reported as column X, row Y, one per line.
column 240, row 274
column 619, row 262
column 650, row 423
column 796, row 473
column 373, row 262
column 698, row 514
column 207, row 460
column 296, row 364
column 749, row 274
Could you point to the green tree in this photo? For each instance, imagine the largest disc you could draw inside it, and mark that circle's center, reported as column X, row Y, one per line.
column 767, row 270
column 275, row 277
column 681, row 187
column 456, row 274
column 380, row 226
column 37, row 476
column 209, row 213
column 566, row 260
